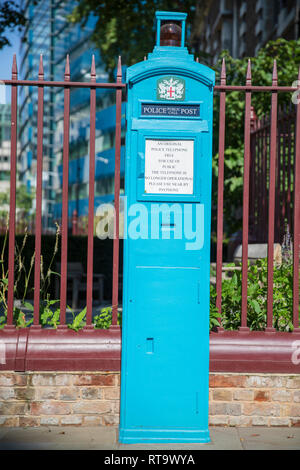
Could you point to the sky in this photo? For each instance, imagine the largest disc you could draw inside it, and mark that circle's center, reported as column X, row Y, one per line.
column 6, row 57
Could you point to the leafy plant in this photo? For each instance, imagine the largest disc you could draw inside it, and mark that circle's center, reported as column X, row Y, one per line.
column 48, row 317
column 213, row 311
column 79, row 320
column 257, row 297
column 104, row 319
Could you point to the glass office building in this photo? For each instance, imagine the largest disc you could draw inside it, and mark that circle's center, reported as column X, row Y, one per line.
column 50, row 33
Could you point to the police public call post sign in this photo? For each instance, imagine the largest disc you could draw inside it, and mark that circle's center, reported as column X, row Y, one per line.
column 165, row 325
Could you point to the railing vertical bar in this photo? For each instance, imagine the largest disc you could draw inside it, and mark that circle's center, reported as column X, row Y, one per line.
column 253, row 169
column 12, row 205
column 271, row 215
column 115, row 286
column 289, row 169
column 296, row 221
column 64, row 223
column 38, row 218
column 243, row 326
column 266, row 147
column 258, row 182
column 90, row 251
column 222, row 117
column 278, row 185
column 283, row 131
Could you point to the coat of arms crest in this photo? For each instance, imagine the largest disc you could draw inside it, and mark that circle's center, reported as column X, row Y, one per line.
column 171, row 88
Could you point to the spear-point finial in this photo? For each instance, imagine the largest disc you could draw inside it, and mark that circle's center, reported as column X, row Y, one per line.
column 274, row 76
column 248, row 75
column 223, row 72
column 93, row 69
column 119, row 70
column 41, row 68
column 14, row 70
column 67, row 69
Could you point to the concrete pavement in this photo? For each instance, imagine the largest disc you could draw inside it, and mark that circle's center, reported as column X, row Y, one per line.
column 106, row 438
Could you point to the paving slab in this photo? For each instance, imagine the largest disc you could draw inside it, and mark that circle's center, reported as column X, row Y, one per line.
column 106, row 438
column 282, row 438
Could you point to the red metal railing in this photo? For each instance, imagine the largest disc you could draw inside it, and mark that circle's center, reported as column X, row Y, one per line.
column 62, row 349
column 67, row 85
column 284, row 190
column 248, row 88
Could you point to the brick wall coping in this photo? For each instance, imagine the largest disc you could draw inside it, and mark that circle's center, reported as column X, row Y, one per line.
column 40, row 349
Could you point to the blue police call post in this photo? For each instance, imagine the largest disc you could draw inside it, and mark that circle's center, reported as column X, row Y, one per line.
column 165, row 326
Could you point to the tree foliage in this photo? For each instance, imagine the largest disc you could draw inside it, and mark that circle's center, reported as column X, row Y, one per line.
column 11, row 17
column 126, row 27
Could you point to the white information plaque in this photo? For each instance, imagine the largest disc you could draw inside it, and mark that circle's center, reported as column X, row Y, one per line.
column 169, row 166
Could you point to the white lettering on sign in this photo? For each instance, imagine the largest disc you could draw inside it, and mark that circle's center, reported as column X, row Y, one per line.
column 169, row 166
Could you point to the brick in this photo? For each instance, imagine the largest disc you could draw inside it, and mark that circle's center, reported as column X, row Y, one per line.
column 261, row 409
column 297, row 396
column 222, row 395
column 14, row 408
column 49, row 421
column 21, row 379
column 279, row 381
column 281, row 395
column 293, row 382
column 71, row 420
column 285, row 409
column 90, row 393
column 40, row 380
column 224, row 381
column 111, row 393
column 91, row 407
column 240, row 421
column 50, row 408
column 24, row 393
column 7, row 379
column 64, row 379
column 280, row 421
column 9, row 421
column 261, row 395
column 260, row 421
column 28, row 421
column 110, row 420
column 116, row 406
column 95, row 379
column 259, row 381
column 234, row 409
column 92, row 421
column 46, row 393
column 69, row 393
column 218, row 420
column 295, row 410
column 243, row 395
column 217, row 408
column 6, row 393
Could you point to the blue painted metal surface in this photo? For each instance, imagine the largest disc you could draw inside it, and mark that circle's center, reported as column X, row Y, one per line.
column 165, row 326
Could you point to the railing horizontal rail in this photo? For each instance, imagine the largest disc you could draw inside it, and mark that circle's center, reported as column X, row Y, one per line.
column 62, row 84
column 254, row 88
